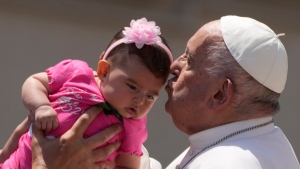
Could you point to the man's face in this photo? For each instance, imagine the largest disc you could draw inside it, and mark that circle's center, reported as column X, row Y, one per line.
column 189, row 89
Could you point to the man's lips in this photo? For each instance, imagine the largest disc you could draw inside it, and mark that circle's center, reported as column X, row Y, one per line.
column 170, row 83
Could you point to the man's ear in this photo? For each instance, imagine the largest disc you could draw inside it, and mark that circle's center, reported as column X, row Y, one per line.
column 103, row 68
column 222, row 95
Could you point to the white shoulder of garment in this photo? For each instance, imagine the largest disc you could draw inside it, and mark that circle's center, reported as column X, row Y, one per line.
column 262, row 148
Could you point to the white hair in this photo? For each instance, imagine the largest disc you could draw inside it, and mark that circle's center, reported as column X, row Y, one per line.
column 255, row 95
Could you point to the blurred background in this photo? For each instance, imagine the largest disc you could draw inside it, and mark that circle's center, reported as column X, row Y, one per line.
column 36, row 34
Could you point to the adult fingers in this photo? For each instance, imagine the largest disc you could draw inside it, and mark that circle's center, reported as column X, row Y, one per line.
column 103, row 152
column 103, row 136
column 37, row 134
column 85, row 119
column 37, row 140
column 23, row 127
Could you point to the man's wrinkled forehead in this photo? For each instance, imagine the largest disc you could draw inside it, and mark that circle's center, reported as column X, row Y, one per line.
column 197, row 39
column 205, row 36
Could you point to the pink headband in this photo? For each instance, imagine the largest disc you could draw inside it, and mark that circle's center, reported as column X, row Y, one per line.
column 140, row 32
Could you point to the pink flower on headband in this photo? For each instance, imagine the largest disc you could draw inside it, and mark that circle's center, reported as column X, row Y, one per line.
column 142, row 32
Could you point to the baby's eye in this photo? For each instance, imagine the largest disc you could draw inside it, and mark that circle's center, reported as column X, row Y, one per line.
column 150, row 97
column 131, row 87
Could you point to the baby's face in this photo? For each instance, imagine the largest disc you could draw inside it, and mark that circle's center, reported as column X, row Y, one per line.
column 131, row 89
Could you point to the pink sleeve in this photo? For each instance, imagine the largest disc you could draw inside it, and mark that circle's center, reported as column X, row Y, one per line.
column 63, row 71
column 135, row 135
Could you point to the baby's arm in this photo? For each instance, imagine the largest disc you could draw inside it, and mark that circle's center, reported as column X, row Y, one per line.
column 35, row 92
column 12, row 143
column 127, row 161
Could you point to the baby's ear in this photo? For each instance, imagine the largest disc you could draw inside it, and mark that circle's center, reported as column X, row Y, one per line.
column 103, row 68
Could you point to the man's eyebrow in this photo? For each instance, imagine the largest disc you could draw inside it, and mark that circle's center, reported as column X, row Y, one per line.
column 188, row 52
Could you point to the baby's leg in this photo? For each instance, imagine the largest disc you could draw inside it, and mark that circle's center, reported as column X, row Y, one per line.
column 12, row 143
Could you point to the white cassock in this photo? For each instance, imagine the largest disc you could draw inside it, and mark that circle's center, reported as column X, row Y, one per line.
column 263, row 147
column 148, row 162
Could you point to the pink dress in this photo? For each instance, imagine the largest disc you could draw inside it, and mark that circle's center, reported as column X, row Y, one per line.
column 73, row 90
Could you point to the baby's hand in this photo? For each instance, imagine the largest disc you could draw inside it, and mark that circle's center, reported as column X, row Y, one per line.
column 46, row 118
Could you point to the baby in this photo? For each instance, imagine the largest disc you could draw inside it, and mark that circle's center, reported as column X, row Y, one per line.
column 129, row 77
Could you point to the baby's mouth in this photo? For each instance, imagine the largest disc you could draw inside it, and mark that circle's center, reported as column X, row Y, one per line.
column 132, row 111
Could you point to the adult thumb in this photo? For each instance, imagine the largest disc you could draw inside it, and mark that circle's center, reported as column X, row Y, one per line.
column 37, row 134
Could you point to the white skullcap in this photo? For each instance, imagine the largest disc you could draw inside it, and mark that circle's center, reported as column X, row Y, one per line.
column 257, row 49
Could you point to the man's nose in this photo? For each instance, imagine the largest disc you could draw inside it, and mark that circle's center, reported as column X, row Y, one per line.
column 175, row 65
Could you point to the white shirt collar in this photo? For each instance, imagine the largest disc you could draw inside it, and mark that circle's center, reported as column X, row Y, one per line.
column 205, row 138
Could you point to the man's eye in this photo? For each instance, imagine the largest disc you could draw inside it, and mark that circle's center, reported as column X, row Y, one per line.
column 189, row 61
column 185, row 56
column 131, row 87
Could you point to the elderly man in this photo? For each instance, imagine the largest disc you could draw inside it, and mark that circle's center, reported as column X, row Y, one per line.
column 224, row 95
